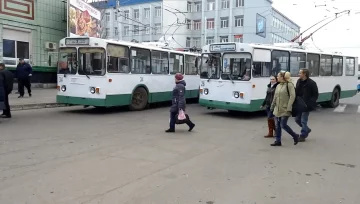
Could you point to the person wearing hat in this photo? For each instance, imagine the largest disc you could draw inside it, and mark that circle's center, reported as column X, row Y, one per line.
column 178, row 103
column 23, row 74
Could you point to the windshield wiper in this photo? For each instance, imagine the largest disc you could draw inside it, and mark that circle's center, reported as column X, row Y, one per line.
column 232, row 81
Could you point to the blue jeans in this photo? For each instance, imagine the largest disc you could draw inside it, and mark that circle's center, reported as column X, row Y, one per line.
column 269, row 113
column 281, row 123
column 302, row 120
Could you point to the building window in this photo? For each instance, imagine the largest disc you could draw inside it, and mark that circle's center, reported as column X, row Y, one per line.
column 224, row 22
column 188, row 24
column 197, row 25
column 116, row 16
column 210, row 5
column 136, row 30
column 158, row 28
column 189, row 6
column 239, row 21
column 209, row 40
column 224, row 39
column 239, row 3
column 136, row 14
column 147, row 13
column 196, row 42
column 126, row 31
column 15, row 49
column 188, row 42
column 126, row 15
column 147, row 29
column 210, row 24
column 116, row 31
column 198, row 7
column 225, row 4
column 107, row 32
column 107, row 16
column 157, row 11
column 238, row 39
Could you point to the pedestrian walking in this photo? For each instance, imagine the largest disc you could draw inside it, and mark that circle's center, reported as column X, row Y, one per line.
column 178, row 103
column 23, row 74
column 267, row 104
column 281, row 106
column 8, row 82
column 2, row 93
column 306, row 89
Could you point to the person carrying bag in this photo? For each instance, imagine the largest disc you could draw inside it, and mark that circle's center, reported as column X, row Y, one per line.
column 177, row 110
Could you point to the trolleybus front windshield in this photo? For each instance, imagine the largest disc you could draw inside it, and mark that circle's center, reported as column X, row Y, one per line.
column 210, row 66
column 236, row 66
column 67, row 61
column 92, row 61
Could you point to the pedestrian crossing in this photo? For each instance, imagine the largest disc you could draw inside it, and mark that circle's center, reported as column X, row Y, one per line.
column 344, row 108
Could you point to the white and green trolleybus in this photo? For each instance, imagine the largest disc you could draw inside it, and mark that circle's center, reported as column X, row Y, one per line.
column 105, row 73
column 234, row 76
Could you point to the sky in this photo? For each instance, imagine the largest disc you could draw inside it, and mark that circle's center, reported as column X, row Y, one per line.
column 342, row 35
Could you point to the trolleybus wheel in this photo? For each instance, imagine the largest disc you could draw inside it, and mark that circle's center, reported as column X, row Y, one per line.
column 335, row 97
column 139, row 99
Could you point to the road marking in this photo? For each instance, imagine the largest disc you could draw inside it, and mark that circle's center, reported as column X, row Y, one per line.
column 359, row 109
column 340, row 108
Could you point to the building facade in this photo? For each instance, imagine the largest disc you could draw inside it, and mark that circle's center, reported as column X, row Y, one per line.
column 31, row 29
column 196, row 23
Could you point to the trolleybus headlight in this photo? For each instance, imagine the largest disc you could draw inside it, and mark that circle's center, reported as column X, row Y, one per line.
column 92, row 90
column 236, row 94
column 63, row 88
column 206, row 91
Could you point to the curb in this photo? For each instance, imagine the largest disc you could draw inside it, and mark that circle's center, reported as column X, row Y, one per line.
column 36, row 106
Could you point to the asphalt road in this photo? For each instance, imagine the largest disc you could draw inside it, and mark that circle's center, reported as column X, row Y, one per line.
column 76, row 155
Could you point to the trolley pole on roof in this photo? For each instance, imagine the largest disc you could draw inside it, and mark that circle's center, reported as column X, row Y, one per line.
column 311, row 34
column 300, row 35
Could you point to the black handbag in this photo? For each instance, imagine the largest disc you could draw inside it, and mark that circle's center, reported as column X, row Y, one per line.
column 179, row 122
column 299, row 104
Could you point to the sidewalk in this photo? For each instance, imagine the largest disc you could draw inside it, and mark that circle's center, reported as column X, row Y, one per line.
column 41, row 98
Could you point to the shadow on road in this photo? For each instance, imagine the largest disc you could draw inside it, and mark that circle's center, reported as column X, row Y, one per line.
column 238, row 114
column 121, row 109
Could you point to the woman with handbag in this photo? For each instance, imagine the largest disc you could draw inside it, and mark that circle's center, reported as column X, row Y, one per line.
column 267, row 103
column 177, row 110
column 282, row 106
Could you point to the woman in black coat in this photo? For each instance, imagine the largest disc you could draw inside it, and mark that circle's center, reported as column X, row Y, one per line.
column 2, row 94
column 267, row 103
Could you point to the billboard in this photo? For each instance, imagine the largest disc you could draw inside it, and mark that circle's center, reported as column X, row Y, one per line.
column 260, row 25
column 83, row 19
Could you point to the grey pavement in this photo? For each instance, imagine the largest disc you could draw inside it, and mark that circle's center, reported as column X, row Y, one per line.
column 41, row 98
column 75, row 155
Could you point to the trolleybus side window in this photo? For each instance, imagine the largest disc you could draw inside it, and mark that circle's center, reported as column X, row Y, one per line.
column 92, row 61
column 210, row 66
column 337, row 66
column 159, row 62
column 280, row 61
column 118, row 59
column 325, row 65
column 176, row 63
column 236, row 66
column 297, row 62
column 140, row 61
column 313, row 64
column 350, row 66
column 261, row 63
column 67, row 63
column 190, row 65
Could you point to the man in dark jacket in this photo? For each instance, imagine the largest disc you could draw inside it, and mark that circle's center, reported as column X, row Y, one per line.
column 178, row 103
column 23, row 74
column 307, row 89
column 8, row 82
